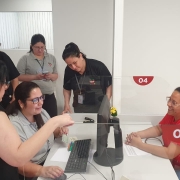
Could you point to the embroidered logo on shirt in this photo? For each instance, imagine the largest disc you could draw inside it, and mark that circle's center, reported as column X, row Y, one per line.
column 176, row 133
column 92, row 82
column 50, row 64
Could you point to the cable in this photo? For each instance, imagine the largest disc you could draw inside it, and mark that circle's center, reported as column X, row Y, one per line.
column 75, row 174
column 112, row 171
column 154, row 138
column 97, row 170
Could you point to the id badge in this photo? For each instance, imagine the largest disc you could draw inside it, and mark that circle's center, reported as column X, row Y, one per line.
column 80, row 98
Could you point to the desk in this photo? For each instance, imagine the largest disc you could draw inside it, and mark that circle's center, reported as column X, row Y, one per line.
column 146, row 167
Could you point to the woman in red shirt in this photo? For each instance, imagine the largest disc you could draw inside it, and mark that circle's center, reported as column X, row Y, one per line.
column 169, row 128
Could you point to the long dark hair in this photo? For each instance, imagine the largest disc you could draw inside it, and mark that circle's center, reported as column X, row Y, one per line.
column 72, row 50
column 35, row 39
column 22, row 93
column 3, row 73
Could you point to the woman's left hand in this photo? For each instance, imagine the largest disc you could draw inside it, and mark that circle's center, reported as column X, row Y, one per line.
column 63, row 130
column 47, row 76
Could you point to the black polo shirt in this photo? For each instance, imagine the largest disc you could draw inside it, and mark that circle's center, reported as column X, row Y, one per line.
column 92, row 85
column 95, row 70
column 12, row 70
column 12, row 74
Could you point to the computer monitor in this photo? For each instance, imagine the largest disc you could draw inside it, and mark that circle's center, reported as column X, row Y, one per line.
column 104, row 155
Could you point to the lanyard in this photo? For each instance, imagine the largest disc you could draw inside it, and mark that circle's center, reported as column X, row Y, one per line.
column 42, row 66
column 80, row 88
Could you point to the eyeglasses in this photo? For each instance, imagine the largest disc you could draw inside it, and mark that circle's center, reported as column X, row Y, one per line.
column 39, row 48
column 37, row 99
column 173, row 103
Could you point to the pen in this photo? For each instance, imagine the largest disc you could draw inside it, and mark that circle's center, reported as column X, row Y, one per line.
column 71, row 146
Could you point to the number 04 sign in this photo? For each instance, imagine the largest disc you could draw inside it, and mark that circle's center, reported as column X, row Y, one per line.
column 143, row 80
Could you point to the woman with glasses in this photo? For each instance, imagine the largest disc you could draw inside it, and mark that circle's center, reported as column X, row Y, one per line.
column 27, row 116
column 14, row 152
column 169, row 128
column 40, row 67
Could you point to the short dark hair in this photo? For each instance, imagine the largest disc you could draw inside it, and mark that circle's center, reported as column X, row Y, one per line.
column 35, row 39
column 177, row 89
column 72, row 50
column 3, row 73
column 22, row 93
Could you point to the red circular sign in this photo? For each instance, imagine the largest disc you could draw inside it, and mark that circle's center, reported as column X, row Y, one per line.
column 143, row 80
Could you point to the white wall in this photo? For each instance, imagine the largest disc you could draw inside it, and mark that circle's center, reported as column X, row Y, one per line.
column 31, row 23
column 17, row 28
column 25, row 5
column 9, row 35
column 89, row 24
column 151, row 42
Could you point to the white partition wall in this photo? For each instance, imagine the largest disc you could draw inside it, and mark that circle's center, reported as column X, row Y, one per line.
column 151, row 42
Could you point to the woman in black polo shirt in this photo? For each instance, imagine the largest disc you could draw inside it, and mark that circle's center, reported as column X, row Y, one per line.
column 88, row 78
column 12, row 77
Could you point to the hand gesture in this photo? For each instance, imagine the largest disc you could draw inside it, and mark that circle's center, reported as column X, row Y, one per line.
column 47, row 76
column 63, row 130
column 39, row 76
column 64, row 120
column 133, row 139
column 50, row 172
column 67, row 109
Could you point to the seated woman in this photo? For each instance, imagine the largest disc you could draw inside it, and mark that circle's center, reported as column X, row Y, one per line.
column 166, row 127
column 13, row 152
column 27, row 116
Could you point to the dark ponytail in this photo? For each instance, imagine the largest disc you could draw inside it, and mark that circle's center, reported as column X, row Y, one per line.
column 72, row 50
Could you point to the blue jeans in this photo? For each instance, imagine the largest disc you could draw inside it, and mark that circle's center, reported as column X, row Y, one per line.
column 178, row 173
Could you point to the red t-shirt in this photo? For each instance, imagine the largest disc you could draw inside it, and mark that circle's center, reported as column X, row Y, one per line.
column 171, row 133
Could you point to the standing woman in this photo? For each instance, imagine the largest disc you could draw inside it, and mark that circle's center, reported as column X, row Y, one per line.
column 40, row 67
column 14, row 152
column 89, row 79
column 12, row 77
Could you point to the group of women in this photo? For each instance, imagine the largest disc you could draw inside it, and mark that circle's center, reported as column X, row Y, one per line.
column 28, row 132
column 31, row 123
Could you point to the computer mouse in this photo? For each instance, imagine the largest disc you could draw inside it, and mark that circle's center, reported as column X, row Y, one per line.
column 62, row 177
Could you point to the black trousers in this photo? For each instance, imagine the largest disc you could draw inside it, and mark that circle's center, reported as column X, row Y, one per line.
column 50, row 105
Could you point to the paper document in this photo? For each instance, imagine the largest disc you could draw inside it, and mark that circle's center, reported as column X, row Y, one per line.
column 133, row 151
column 62, row 155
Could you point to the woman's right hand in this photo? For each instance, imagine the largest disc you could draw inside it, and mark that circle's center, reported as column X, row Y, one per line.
column 65, row 120
column 50, row 172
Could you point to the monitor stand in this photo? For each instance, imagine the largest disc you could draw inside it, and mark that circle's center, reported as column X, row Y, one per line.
column 112, row 156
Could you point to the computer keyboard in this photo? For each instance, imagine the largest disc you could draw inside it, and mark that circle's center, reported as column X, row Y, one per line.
column 78, row 157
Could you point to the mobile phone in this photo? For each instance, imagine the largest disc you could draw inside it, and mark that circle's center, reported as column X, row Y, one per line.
column 45, row 72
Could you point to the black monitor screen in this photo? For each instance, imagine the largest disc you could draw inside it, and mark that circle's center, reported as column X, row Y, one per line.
column 102, row 126
column 104, row 155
